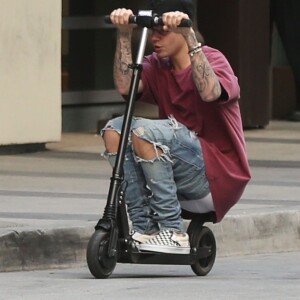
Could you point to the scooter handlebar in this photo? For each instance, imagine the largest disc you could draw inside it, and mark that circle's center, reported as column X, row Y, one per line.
column 146, row 21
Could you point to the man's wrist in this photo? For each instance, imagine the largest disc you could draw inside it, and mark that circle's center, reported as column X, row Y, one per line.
column 191, row 39
column 195, row 49
column 124, row 35
column 125, row 32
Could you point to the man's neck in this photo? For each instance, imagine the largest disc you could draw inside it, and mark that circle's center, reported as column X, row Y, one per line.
column 181, row 60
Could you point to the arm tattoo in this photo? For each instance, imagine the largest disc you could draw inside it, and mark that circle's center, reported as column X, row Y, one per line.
column 191, row 40
column 123, row 57
column 124, row 67
column 205, row 78
column 202, row 72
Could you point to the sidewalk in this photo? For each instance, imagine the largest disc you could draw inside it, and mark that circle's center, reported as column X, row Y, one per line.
column 50, row 201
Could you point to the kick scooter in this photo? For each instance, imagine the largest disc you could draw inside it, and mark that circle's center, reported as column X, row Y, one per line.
column 111, row 241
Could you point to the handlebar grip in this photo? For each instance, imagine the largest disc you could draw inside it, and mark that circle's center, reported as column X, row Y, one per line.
column 183, row 23
column 186, row 23
column 132, row 20
column 107, row 20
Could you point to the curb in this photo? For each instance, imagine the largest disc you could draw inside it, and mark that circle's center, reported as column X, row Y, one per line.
column 257, row 234
column 43, row 249
column 66, row 247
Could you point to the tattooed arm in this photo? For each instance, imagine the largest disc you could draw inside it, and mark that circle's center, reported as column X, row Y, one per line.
column 123, row 57
column 204, row 76
column 123, row 54
column 205, row 79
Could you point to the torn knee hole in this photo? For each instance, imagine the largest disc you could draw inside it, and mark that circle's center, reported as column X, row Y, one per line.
column 147, row 150
column 111, row 140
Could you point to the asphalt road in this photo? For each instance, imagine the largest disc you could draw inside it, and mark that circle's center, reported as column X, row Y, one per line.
column 270, row 276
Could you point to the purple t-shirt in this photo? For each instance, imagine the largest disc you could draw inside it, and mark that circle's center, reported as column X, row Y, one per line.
column 218, row 124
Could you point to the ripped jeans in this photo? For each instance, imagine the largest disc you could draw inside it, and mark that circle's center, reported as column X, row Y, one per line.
column 156, row 186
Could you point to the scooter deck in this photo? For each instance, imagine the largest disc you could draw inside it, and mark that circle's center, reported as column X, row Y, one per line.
column 147, row 257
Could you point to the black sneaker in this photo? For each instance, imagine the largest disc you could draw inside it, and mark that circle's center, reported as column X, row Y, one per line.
column 168, row 241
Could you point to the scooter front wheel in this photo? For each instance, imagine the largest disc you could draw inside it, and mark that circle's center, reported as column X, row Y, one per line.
column 99, row 263
column 203, row 237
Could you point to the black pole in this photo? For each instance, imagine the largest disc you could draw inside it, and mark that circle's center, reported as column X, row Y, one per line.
column 118, row 172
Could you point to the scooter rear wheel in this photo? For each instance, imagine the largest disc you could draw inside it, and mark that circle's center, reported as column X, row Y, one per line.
column 99, row 263
column 202, row 236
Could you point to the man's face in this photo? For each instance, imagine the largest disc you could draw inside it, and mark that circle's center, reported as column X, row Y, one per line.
column 166, row 43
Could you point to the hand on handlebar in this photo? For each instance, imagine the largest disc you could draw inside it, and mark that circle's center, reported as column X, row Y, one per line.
column 172, row 20
column 120, row 17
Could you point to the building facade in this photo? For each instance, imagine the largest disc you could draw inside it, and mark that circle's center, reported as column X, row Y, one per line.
column 30, row 60
column 56, row 63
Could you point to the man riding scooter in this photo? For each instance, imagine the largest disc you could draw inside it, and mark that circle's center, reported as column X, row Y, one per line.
column 194, row 156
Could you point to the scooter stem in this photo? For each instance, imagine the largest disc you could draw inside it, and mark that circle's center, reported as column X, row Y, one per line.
column 118, row 172
column 137, row 70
